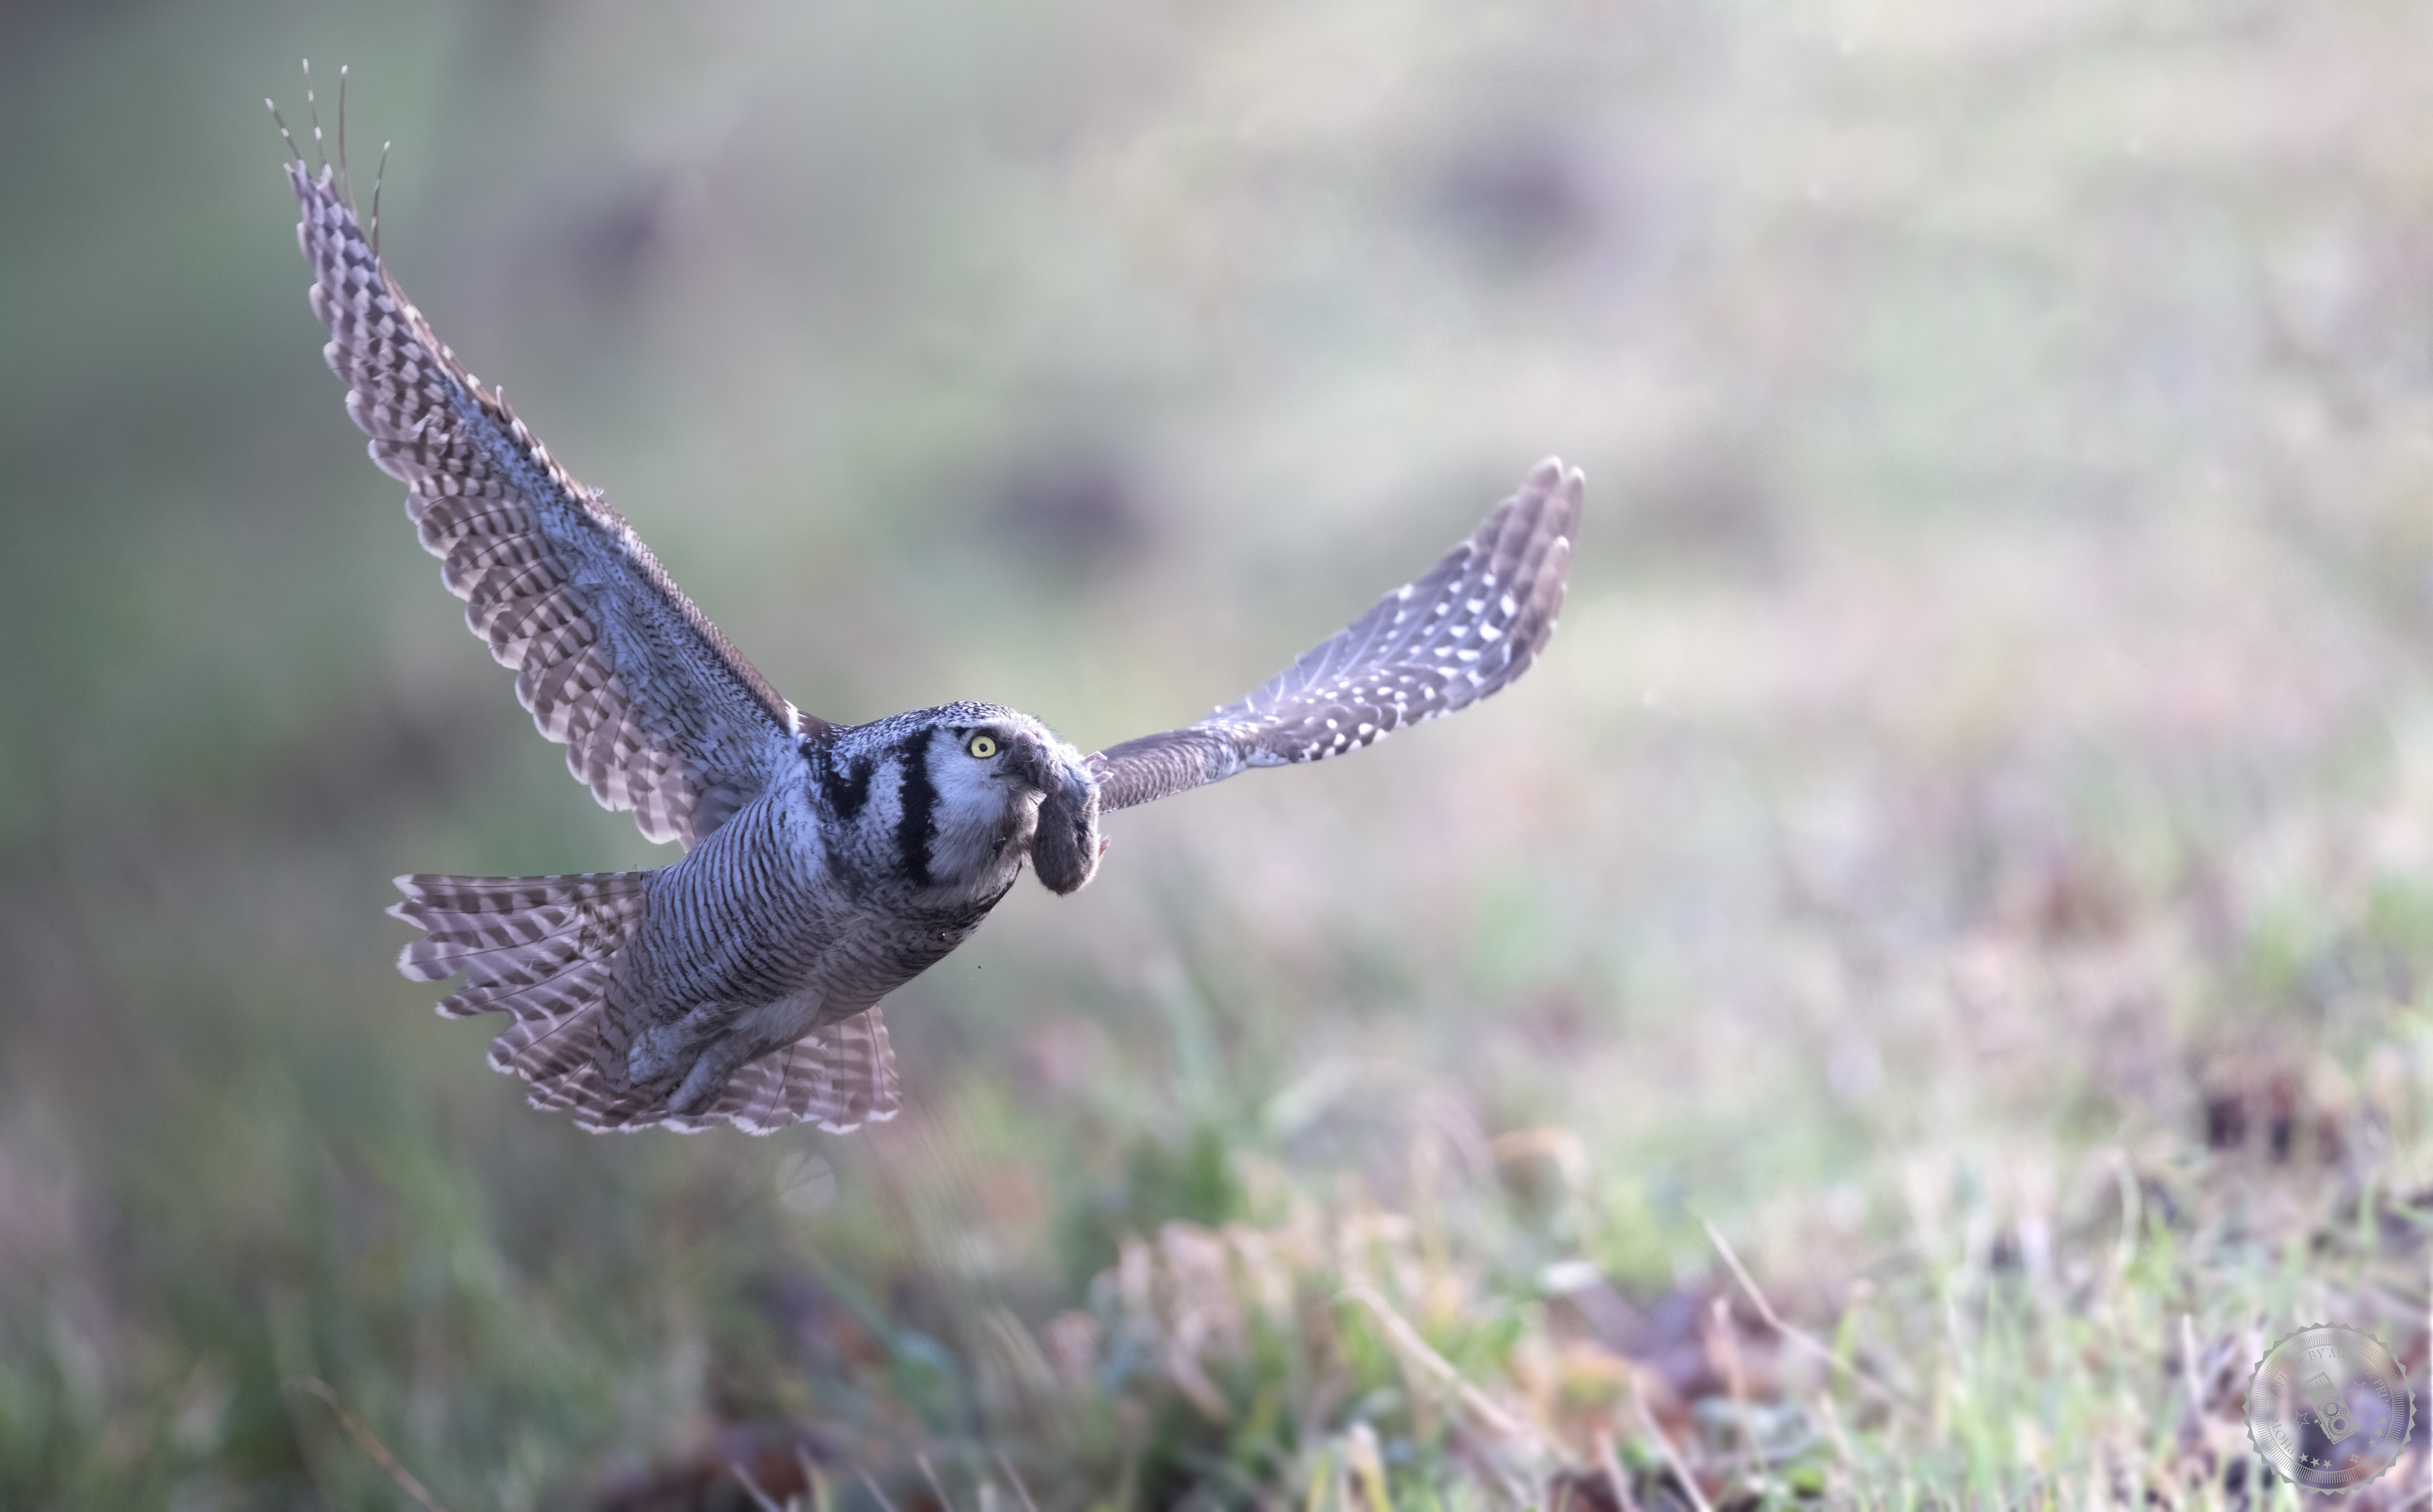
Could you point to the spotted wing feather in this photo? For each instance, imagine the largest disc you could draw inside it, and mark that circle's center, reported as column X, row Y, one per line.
column 659, row 713
column 1438, row 643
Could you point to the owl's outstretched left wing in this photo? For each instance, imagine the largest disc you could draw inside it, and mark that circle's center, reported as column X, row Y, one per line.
column 658, row 712
column 1436, row 644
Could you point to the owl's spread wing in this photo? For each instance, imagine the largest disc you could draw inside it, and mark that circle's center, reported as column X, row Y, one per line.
column 1437, row 644
column 657, row 712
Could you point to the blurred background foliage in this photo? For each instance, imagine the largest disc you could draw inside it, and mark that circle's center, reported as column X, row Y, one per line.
column 1969, row 842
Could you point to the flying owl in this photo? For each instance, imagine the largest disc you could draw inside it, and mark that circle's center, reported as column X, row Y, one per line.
column 824, row 865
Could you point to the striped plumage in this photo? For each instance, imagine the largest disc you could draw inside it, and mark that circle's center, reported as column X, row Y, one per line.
column 826, row 865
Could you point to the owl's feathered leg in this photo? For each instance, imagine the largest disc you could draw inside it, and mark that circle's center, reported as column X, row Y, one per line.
column 840, row 1076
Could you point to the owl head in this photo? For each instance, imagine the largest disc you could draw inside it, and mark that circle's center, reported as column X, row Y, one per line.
column 954, row 798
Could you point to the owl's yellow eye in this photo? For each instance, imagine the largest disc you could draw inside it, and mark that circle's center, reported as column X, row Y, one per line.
column 982, row 746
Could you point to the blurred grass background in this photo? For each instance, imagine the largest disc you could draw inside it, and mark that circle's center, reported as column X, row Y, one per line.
column 1969, row 842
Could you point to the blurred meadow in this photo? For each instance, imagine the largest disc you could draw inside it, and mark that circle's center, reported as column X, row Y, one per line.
column 1966, row 859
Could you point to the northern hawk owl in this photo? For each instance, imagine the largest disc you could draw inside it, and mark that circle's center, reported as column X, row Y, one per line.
column 824, row 865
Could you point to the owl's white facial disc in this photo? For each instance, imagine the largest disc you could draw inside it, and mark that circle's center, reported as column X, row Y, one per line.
column 983, row 802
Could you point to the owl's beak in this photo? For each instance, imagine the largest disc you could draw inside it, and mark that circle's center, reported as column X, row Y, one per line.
column 1029, row 763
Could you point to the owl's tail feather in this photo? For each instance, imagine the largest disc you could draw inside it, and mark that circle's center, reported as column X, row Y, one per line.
column 538, row 948
column 527, row 945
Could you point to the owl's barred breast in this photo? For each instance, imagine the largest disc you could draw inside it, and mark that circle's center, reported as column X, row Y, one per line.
column 848, row 877
column 748, row 916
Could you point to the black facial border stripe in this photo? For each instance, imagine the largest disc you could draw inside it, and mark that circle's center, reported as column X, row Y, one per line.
column 846, row 786
column 919, row 825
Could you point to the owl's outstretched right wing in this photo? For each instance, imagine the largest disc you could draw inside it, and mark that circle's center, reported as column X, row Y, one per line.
column 1436, row 644
column 657, row 711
